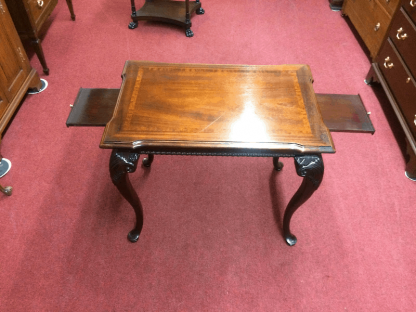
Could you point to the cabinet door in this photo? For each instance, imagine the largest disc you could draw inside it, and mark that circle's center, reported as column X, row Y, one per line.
column 3, row 103
column 14, row 65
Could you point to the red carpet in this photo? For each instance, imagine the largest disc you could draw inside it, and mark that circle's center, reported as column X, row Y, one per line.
column 212, row 234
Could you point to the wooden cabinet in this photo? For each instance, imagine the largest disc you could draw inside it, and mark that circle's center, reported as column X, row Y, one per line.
column 395, row 69
column 29, row 17
column 16, row 74
column 371, row 19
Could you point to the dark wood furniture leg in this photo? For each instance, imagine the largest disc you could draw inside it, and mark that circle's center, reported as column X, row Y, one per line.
column 311, row 168
column 188, row 31
column 123, row 162
column 148, row 160
column 39, row 52
column 71, row 9
column 277, row 164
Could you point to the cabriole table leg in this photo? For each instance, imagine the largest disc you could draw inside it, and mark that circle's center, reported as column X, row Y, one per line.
column 123, row 162
column 311, row 168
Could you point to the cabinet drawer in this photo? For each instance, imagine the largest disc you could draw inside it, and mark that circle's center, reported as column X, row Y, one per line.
column 389, row 5
column 410, row 7
column 403, row 35
column 40, row 10
column 371, row 21
column 400, row 81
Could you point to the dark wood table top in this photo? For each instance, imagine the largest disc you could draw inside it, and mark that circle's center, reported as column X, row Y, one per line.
column 217, row 109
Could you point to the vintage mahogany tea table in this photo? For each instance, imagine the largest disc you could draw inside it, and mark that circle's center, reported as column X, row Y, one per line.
column 216, row 110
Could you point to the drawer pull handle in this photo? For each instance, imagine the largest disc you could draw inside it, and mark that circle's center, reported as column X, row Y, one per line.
column 377, row 27
column 399, row 34
column 40, row 3
column 408, row 80
column 387, row 1
column 415, row 120
column 413, row 3
column 387, row 63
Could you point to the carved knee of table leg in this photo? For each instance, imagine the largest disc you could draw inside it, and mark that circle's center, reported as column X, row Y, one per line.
column 311, row 168
column 121, row 163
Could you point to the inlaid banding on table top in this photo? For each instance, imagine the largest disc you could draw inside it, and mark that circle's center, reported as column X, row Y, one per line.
column 222, row 105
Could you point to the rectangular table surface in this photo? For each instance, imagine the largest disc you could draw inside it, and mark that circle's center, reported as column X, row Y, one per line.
column 205, row 108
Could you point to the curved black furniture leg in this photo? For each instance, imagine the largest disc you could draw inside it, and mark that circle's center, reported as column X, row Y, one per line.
column 123, row 162
column 147, row 161
column 311, row 168
column 277, row 164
